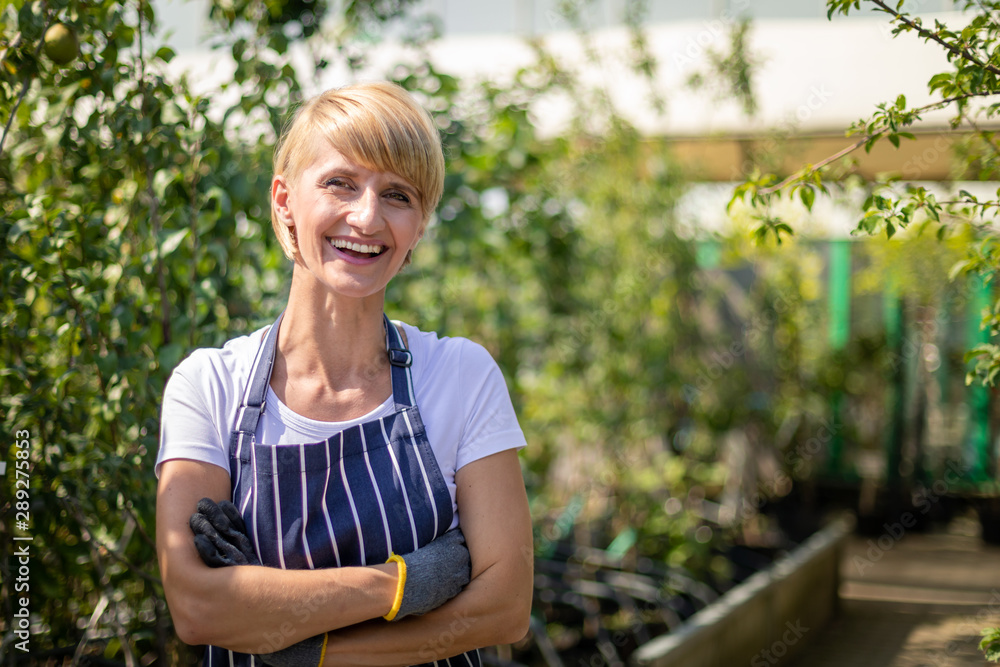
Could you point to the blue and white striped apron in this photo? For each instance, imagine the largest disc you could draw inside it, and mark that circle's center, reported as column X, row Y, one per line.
column 370, row 491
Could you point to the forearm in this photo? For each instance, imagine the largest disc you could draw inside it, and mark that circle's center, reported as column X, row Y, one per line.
column 251, row 608
column 255, row 609
column 484, row 614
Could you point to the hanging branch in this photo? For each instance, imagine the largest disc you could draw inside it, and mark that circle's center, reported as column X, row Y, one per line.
column 812, row 169
column 927, row 34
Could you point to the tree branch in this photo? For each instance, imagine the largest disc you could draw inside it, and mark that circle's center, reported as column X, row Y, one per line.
column 927, row 34
column 25, row 81
column 10, row 120
column 967, row 202
column 992, row 144
column 861, row 142
column 154, row 204
column 819, row 165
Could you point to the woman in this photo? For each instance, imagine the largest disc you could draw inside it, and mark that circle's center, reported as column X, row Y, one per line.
column 342, row 439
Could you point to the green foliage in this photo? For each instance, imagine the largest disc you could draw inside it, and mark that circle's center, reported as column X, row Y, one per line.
column 969, row 90
column 891, row 205
column 990, row 644
column 134, row 230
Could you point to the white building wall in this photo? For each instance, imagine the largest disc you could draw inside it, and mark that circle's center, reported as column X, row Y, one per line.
column 814, row 74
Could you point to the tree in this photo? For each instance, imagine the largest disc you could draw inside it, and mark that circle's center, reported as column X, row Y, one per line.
column 968, row 90
column 892, row 204
column 127, row 242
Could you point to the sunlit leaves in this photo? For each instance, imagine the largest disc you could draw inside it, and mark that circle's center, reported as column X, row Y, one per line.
column 118, row 201
column 990, row 644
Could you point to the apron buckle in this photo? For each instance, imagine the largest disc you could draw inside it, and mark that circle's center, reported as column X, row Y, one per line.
column 398, row 357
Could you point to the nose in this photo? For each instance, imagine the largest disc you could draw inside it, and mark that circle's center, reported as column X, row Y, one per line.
column 365, row 214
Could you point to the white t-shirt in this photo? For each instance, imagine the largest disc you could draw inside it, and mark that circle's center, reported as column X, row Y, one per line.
column 460, row 391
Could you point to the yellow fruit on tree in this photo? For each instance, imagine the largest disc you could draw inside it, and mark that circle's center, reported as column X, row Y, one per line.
column 61, row 44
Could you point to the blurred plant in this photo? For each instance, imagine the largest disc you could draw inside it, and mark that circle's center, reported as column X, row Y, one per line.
column 127, row 241
column 990, row 644
column 892, row 204
column 730, row 73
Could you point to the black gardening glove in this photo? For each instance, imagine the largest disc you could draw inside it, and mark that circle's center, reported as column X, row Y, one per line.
column 220, row 536
column 432, row 575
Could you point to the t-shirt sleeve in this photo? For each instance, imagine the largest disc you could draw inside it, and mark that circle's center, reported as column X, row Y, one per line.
column 491, row 424
column 187, row 428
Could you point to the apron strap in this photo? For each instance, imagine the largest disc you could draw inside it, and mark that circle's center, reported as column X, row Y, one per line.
column 400, row 360
column 256, row 391
column 254, row 397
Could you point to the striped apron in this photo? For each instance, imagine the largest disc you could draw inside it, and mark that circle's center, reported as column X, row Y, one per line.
column 370, row 491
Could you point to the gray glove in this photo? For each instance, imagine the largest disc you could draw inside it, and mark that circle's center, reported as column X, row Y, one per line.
column 304, row 654
column 220, row 536
column 435, row 573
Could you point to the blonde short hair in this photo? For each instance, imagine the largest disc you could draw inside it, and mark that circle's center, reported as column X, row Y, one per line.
column 378, row 125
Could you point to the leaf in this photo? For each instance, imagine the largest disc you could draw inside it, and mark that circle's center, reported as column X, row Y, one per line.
column 165, row 53
column 113, row 647
column 990, row 644
column 808, row 196
column 162, row 180
column 173, row 240
column 169, row 356
column 874, row 222
column 31, row 20
column 959, row 268
column 940, row 80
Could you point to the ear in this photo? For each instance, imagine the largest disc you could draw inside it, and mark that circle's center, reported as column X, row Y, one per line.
column 280, row 199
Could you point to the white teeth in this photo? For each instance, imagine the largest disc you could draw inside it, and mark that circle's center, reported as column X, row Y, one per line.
column 357, row 247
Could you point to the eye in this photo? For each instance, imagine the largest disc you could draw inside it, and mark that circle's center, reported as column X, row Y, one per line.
column 337, row 182
column 401, row 197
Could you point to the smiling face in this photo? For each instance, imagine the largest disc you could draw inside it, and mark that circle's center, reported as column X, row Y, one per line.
column 353, row 226
column 377, row 125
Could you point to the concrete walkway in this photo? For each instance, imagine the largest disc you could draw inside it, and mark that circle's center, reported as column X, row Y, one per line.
column 912, row 600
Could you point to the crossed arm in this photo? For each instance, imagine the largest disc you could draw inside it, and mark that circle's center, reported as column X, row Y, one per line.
column 260, row 609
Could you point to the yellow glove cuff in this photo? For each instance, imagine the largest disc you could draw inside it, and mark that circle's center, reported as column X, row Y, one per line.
column 400, row 585
column 322, row 653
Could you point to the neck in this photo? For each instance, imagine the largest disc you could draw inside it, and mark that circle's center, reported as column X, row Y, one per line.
column 337, row 340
